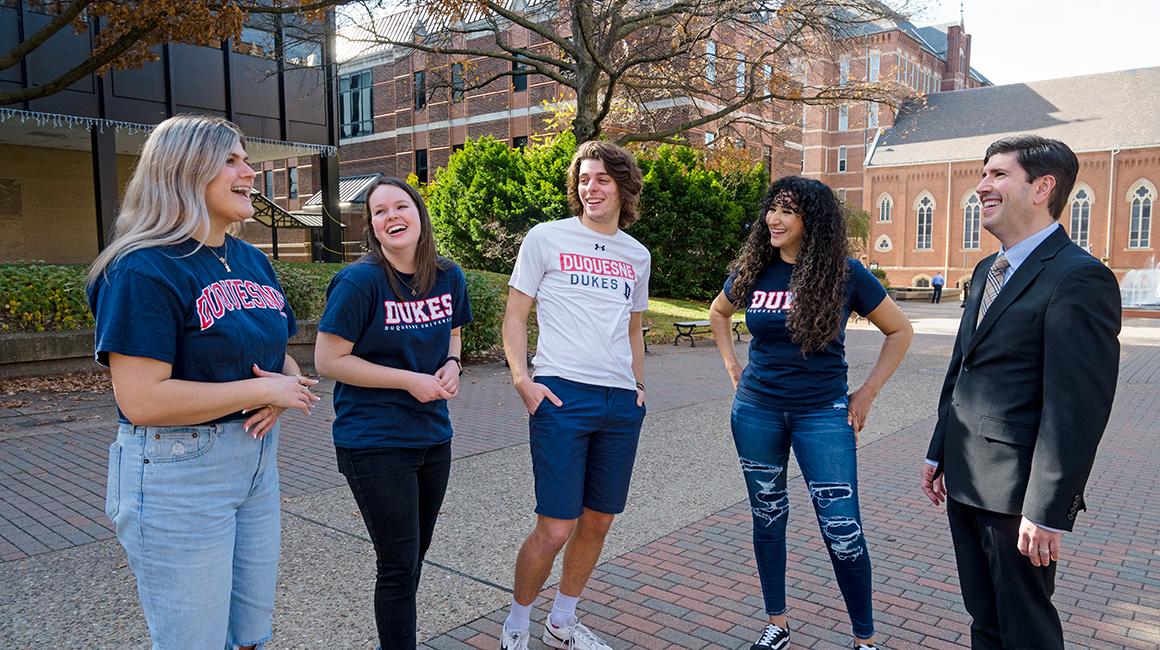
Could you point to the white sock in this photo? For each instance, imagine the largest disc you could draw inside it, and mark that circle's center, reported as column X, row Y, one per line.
column 519, row 619
column 563, row 610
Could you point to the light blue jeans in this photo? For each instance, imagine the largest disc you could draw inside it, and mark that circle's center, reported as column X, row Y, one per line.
column 197, row 511
column 823, row 443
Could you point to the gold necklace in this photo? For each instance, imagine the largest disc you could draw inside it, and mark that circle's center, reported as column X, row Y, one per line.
column 225, row 253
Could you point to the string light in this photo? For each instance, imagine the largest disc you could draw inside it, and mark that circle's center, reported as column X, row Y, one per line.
column 133, row 128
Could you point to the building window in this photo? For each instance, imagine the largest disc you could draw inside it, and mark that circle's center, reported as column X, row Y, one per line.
column 457, row 83
column 844, row 71
column 1141, row 223
column 844, row 117
column 420, row 90
column 767, row 90
column 292, row 177
column 268, row 183
column 1081, row 212
column 741, row 76
column 519, row 142
column 709, row 138
column 872, row 115
column 354, row 104
column 875, row 67
column 971, row 213
column 885, row 206
column 457, row 147
column 842, row 196
column 519, row 77
column 767, row 157
column 842, row 153
column 711, row 61
column 925, row 224
column 421, row 164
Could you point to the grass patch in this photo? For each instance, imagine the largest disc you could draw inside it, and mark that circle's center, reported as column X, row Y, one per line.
column 661, row 314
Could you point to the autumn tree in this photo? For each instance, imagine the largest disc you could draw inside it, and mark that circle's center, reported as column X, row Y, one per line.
column 125, row 34
column 644, row 70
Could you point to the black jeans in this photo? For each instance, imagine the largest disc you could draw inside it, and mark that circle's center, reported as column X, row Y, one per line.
column 399, row 492
column 936, row 297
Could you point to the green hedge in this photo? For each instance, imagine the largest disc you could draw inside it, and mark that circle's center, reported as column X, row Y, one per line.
column 46, row 297
column 40, row 297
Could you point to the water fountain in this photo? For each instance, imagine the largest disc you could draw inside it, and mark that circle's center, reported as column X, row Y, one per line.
column 1140, row 288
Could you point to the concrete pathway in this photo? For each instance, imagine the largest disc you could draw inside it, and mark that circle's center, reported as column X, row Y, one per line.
column 678, row 568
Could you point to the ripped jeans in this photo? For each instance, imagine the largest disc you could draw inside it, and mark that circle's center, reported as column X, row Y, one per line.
column 824, row 446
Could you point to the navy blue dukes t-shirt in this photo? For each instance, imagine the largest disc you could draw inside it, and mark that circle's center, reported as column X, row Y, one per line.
column 778, row 375
column 408, row 333
column 179, row 305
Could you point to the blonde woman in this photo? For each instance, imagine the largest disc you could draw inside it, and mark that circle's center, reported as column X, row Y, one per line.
column 193, row 326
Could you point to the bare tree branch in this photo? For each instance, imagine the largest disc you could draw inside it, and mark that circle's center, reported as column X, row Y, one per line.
column 104, row 57
column 59, row 22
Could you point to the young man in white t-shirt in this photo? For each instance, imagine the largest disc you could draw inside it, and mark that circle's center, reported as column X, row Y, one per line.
column 589, row 281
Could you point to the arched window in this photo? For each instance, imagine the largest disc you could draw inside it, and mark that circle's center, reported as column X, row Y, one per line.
column 1140, row 226
column 1081, row 215
column 885, row 206
column 972, row 209
column 925, row 224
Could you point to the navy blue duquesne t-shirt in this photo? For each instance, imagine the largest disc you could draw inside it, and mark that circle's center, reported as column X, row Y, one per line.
column 408, row 333
column 778, row 375
column 179, row 305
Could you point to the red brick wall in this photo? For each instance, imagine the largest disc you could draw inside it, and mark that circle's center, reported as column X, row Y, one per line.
column 906, row 183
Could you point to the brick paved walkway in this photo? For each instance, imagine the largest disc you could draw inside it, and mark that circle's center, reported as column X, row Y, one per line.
column 697, row 587
column 54, row 449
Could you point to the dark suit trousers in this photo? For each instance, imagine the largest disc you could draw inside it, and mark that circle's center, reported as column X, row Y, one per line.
column 1008, row 598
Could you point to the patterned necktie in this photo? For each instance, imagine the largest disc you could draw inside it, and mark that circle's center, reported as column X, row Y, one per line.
column 994, row 284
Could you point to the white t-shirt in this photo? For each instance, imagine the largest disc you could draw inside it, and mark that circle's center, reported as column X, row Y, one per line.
column 585, row 284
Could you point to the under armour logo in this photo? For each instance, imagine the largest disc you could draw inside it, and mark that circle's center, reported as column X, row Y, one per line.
column 599, row 247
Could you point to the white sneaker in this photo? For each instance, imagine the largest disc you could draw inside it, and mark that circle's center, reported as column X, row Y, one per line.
column 572, row 637
column 517, row 640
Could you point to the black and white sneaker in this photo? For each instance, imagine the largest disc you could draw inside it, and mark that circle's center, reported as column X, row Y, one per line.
column 773, row 638
column 865, row 646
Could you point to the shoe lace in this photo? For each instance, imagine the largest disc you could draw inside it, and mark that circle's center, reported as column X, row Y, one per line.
column 582, row 635
column 771, row 632
column 519, row 640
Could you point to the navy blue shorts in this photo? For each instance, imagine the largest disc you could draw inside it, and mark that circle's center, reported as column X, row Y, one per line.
column 583, row 451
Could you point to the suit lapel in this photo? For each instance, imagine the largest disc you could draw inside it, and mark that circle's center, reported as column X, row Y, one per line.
column 1016, row 285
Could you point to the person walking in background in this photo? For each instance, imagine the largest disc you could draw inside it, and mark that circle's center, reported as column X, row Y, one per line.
column 1026, row 398
column 936, row 283
column 390, row 337
column 589, row 281
column 799, row 287
column 193, row 326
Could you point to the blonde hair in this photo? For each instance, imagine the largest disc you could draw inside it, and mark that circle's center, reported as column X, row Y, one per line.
column 164, row 202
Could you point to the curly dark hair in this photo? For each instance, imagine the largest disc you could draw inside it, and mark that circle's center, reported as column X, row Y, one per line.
column 819, row 276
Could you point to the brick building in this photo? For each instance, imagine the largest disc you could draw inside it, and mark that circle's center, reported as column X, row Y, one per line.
column 919, row 183
column 922, row 61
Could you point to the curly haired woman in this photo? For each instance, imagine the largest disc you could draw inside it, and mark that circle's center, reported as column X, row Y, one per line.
column 798, row 287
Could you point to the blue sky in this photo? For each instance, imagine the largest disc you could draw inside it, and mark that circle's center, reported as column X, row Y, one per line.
column 1027, row 40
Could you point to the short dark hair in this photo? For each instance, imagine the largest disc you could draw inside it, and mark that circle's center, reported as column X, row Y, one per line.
column 1041, row 157
column 621, row 166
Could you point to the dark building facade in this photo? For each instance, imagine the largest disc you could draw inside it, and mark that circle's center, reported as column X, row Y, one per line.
column 64, row 158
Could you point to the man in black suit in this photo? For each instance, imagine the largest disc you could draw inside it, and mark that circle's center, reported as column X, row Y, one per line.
column 1026, row 397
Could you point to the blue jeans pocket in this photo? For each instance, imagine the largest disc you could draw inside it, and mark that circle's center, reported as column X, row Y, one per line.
column 113, row 484
column 175, row 444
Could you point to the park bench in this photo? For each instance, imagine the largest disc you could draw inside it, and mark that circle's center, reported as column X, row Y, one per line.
column 686, row 330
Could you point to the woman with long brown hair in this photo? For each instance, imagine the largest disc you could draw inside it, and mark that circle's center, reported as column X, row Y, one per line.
column 798, row 287
column 390, row 337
